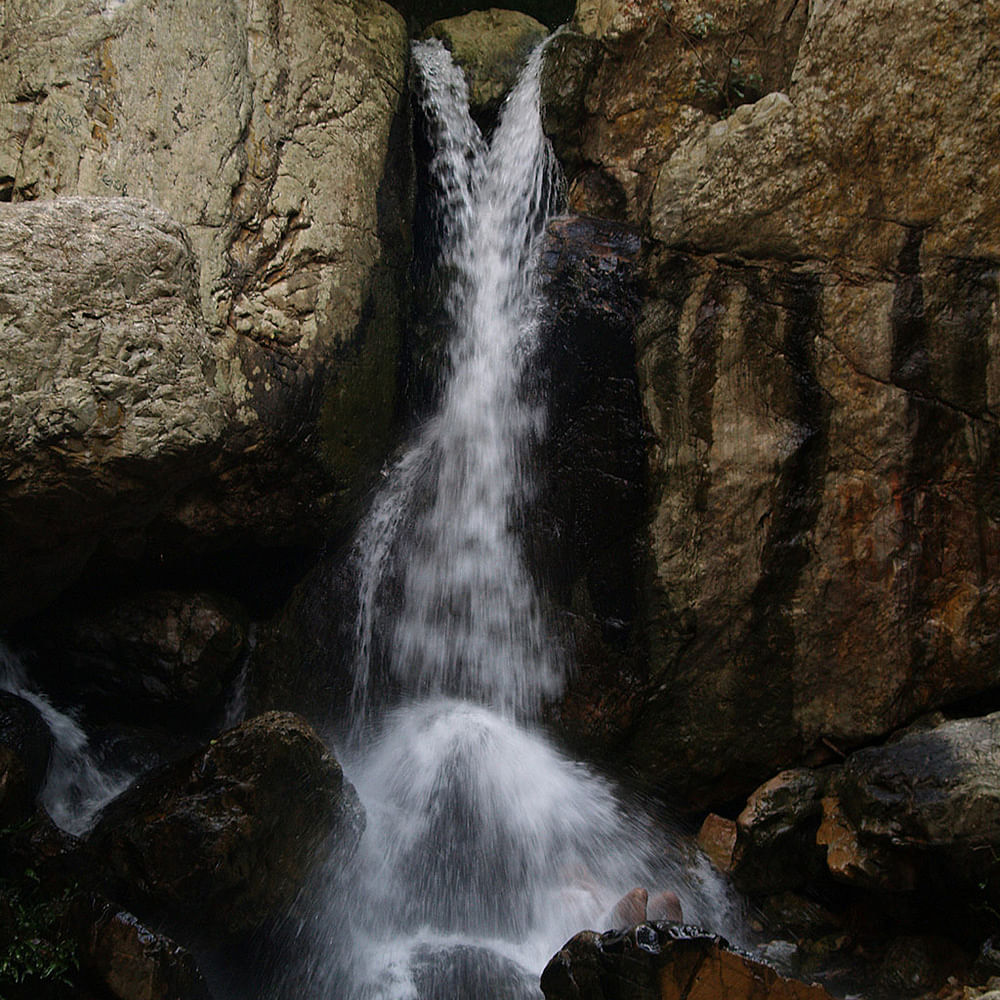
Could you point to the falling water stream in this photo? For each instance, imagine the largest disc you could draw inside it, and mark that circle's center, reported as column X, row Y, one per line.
column 486, row 847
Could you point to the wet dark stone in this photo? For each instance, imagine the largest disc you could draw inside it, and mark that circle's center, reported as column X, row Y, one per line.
column 464, row 971
column 25, row 746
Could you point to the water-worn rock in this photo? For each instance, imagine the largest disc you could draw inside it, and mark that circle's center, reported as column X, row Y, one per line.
column 277, row 141
column 223, row 840
column 25, row 746
column 491, row 47
column 158, row 653
column 107, row 392
column 663, row 962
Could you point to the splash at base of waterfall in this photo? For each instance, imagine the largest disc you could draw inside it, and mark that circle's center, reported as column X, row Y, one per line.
column 486, row 848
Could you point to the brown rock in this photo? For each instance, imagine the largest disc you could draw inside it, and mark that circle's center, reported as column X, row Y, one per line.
column 159, row 651
column 776, row 834
column 823, row 412
column 25, row 747
column 717, row 838
column 225, row 839
column 136, row 963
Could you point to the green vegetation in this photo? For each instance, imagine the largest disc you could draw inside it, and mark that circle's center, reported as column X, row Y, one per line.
column 34, row 947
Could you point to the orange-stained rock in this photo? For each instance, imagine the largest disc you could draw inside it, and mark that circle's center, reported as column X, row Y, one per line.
column 717, row 838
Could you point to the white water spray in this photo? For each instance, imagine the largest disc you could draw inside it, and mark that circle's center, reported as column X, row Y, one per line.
column 486, row 848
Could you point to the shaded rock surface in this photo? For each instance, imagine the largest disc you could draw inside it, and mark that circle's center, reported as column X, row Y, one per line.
column 276, row 144
column 584, row 530
column 816, row 359
column 25, row 748
column 225, row 839
column 925, row 809
column 156, row 654
column 662, row 962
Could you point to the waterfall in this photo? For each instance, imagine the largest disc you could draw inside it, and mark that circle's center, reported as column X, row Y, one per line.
column 77, row 785
column 486, row 847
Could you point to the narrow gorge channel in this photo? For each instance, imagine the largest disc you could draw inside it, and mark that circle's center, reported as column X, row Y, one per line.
column 486, row 847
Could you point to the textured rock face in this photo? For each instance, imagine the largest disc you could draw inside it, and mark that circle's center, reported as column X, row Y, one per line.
column 660, row 962
column 225, row 839
column 275, row 140
column 817, row 360
column 589, row 503
column 107, row 393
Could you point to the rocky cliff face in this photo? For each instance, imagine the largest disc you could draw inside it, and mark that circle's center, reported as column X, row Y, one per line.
column 275, row 143
column 817, row 360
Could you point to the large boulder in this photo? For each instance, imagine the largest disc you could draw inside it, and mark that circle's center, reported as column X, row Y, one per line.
column 816, row 360
column 277, row 140
column 107, row 394
column 225, row 839
column 655, row 961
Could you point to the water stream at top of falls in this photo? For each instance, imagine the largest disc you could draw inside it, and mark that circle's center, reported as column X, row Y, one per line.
column 485, row 846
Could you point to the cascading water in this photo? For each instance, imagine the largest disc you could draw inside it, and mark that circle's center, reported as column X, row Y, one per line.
column 485, row 847
column 76, row 786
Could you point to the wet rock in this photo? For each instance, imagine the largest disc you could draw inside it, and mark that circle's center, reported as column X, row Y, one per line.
column 25, row 746
column 491, row 46
column 223, row 840
column 663, row 962
column 157, row 652
column 778, row 546
column 814, row 493
column 464, row 970
column 776, row 834
column 665, row 905
column 134, row 962
column 795, row 915
column 585, row 528
column 919, row 964
column 925, row 809
column 630, row 909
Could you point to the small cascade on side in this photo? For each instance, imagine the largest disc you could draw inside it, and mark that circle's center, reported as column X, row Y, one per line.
column 486, row 847
column 77, row 785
